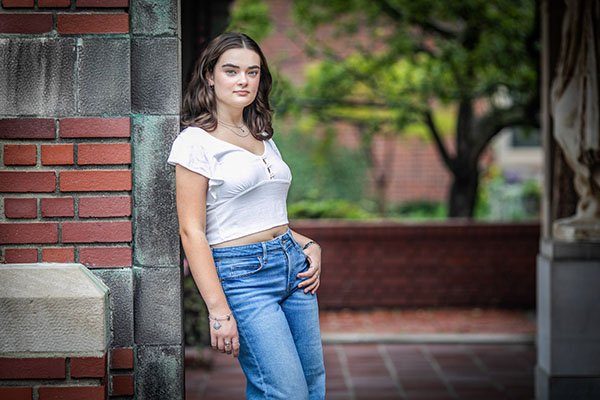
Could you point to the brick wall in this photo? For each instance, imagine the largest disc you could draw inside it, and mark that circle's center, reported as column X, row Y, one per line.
column 66, row 176
column 66, row 171
column 66, row 184
column 47, row 378
column 89, row 88
column 426, row 264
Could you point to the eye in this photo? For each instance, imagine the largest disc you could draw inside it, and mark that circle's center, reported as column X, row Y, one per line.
column 253, row 73
column 230, row 72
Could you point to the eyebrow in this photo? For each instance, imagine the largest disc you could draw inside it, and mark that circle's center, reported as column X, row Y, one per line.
column 235, row 66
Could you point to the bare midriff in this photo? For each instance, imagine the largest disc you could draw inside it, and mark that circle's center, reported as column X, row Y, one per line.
column 257, row 237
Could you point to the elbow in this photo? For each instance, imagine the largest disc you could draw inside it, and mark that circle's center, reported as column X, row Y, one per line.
column 195, row 235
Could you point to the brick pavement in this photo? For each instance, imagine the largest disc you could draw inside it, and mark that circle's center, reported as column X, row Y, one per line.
column 410, row 371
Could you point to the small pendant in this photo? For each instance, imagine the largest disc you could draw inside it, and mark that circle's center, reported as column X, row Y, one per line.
column 217, row 325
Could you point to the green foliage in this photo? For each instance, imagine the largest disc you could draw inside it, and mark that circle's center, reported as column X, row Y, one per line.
column 321, row 168
column 444, row 50
column 341, row 209
column 252, row 18
column 195, row 321
column 502, row 200
column 419, row 210
column 475, row 55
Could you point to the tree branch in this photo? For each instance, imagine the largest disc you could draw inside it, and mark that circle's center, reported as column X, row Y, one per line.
column 438, row 139
column 429, row 26
column 490, row 124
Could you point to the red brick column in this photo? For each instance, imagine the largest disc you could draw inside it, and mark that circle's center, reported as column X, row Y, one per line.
column 65, row 171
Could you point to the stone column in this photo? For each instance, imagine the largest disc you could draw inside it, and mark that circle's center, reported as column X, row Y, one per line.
column 568, row 266
column 155, row 102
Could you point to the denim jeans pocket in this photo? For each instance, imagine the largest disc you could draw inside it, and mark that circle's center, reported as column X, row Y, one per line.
column 238, row 267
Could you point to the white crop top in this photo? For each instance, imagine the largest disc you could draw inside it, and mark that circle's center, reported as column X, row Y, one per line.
column 246, row 192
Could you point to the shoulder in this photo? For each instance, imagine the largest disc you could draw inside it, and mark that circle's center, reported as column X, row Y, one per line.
column 193, row 136
column 271, row 143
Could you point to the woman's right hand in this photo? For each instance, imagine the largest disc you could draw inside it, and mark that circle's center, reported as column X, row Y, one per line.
column 224, row 339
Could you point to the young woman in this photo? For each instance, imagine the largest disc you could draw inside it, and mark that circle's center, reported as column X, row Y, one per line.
column 257, row 277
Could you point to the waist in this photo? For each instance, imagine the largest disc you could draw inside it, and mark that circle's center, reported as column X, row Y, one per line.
column 257, row 247
column 258, row 237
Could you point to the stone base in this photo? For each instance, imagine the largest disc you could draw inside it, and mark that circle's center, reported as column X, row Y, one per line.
column 52, row 309
column 577, row 230
column 548, row 387
column 568, row 336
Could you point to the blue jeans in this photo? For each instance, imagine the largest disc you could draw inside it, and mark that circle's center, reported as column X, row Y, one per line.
column 278, row 324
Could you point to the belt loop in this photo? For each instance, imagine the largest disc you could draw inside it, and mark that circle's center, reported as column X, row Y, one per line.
column 264, row 246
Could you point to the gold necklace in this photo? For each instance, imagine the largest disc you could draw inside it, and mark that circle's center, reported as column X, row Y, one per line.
column 231, row 126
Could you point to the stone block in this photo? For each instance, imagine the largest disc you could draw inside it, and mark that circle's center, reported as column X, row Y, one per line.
column 565, row 388
column 158, row 306
column 159, row 372
column 38, row 76
column 120, row 283
column 154, row 17
column 568, row 316
column 156, row 234
column 104, row 76
column 52, row 308
column 155, row 75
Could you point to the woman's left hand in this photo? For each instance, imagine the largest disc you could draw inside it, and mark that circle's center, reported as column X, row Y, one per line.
column 312, row 276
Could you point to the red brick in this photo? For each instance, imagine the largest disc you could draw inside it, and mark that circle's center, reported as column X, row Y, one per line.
column 16, row 393
column 103, row 3
column 54, row 3
column 26, row 128
column 57, row 207
column 88, row 367
column 94, row 257
column 94, row 127
column 20, row 208
column 17, row 3
column 95, row 181
column 58, row 254
column 25, row 23
column 72, row 393
column 57, row 154
column 38, row 232
column 100, row 207
column 104, row 153
column 121, row 358
column 18, row 256
column 93, row 23
column 122, row 385
column 101, row 232
column 32, row 368
column 20, row 154
column 22, row 182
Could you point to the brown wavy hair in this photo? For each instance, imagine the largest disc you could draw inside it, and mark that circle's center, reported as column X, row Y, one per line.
column 199, row 102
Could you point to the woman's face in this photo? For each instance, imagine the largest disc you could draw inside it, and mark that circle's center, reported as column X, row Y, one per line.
column 236, row 78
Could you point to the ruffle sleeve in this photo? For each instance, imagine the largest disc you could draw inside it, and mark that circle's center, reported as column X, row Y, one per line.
column 190, row 150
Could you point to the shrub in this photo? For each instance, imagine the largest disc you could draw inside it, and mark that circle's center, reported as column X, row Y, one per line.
column 327, row 209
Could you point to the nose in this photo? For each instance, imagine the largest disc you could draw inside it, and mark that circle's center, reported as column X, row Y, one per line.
column 243, row 79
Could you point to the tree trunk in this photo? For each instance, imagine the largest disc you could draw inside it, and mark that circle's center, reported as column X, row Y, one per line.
column 463, row 192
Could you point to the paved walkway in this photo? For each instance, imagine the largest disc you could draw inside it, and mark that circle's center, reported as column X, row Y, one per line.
column 442, row 366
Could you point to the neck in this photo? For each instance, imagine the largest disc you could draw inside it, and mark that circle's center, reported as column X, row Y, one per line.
column 233, row 119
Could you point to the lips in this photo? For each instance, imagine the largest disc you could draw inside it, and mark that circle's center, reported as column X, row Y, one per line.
column 242, row 92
